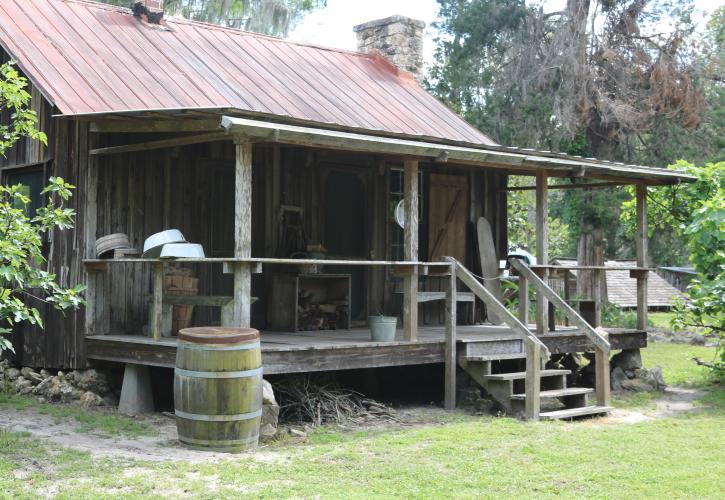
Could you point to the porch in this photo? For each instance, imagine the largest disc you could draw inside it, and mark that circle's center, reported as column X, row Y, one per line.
column 312, row 351
column 339, row 174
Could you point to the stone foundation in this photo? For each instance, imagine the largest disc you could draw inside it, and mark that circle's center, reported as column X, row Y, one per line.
column 86, row 388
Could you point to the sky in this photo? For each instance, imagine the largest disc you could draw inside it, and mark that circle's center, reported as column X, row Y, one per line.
column 332, row 26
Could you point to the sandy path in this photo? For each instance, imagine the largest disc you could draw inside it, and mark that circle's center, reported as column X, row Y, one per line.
column 65, row 433
column 673, row 402
column 164, row 446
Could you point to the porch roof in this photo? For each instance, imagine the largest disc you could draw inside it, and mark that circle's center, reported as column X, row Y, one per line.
column 460, row 152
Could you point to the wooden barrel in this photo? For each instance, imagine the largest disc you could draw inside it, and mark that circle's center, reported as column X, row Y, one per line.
column 218, row 388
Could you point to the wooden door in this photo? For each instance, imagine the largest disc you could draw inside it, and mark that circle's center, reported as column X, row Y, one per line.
column 345, row 226
column 447, row 216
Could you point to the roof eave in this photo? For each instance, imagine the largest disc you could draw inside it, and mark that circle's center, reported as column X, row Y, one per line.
column 474, row 154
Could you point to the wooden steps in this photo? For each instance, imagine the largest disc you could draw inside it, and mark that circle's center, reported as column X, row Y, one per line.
column 522, row 375
column 496, row 357
column 508, row 388
column 575, row 412
column 558, row 393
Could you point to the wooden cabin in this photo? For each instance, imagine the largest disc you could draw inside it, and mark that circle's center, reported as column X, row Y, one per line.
column 286, row 162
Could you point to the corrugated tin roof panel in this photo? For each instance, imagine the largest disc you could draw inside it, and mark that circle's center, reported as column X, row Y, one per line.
column 91, row 58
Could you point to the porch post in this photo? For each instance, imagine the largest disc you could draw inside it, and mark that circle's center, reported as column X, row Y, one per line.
column 542, row 248
column 451, row 364
column 242, row 233
column 642, row 256
column 90, row 221
column 410, row 284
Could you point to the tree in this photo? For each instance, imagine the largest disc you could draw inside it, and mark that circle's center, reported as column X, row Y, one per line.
column 622, row 80
column 602, row 72
column 14, row 98
column 271, row 17
column 695, row 212
column 21, row 258
column 522, row 221
column 706, row 238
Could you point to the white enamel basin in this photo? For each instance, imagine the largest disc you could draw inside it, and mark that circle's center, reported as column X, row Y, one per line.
column 182, row 251
column 154, row 243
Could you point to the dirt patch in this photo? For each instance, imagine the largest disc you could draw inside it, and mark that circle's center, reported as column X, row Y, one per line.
column 675, row 401
column 65, row 433
column 165, row 446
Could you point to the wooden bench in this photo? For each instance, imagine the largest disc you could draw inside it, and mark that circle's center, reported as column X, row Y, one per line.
column 424, row 297
column 225, row 302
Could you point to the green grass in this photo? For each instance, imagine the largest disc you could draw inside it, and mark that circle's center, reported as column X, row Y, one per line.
column 678, row 368
column 661, row 319
column 94, row 421
column 480, row 457
column 676, row 362
column 635, row 400
column 676, row 457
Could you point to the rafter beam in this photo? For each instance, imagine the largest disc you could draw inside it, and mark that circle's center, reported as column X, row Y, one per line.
column 142, row 125
column 161, row 144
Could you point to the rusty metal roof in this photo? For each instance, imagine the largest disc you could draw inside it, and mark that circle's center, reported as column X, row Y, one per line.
column 87, row 57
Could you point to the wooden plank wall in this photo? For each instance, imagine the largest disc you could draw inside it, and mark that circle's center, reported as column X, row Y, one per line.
column 190, row 188
column 60, row 343
column 486, row 198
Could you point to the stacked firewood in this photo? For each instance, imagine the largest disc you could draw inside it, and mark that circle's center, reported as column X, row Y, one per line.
column 315, row 315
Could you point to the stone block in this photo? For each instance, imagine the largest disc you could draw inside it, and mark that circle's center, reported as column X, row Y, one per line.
column 136, row 395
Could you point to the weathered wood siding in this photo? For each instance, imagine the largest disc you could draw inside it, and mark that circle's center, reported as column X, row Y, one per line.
column 191, row 188
column 60, row 343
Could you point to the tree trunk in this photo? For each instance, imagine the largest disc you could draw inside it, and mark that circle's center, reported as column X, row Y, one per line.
column 591, row 285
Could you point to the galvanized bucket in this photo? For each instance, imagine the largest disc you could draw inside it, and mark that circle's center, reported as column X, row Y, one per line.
column 382, row 328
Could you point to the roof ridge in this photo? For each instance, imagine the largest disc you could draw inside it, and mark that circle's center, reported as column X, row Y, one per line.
column 182, row 20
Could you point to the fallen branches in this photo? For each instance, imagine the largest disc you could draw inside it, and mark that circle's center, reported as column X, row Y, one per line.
column 321, row 400
column 700, row 362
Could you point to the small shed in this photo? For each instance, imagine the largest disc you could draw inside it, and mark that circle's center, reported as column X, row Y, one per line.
column 679, row 277
column 622, row 289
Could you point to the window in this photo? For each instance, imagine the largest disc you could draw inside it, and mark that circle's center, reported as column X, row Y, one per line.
column 31, row 181
column 396, row 237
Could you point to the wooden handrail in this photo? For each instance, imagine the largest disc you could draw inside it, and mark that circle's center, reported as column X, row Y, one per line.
column 534, row 349
column 497, row 307
column 270, row 260
column 592, row 334
column 590, row 268
column 597, row 336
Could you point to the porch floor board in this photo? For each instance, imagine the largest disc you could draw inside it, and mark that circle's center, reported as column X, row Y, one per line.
column 299, row 352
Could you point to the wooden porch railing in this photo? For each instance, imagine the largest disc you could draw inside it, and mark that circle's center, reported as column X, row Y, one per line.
column 536, row 351
column 597, row 336
column 237, row 311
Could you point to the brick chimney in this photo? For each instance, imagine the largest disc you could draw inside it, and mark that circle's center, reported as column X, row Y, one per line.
column 151, row 11
column 398, row 38
column 154, row 5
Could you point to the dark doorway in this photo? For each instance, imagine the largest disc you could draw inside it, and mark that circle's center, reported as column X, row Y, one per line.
column 345, row 226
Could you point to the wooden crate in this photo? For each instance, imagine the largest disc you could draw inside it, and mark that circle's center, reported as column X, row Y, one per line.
column 288, row 313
